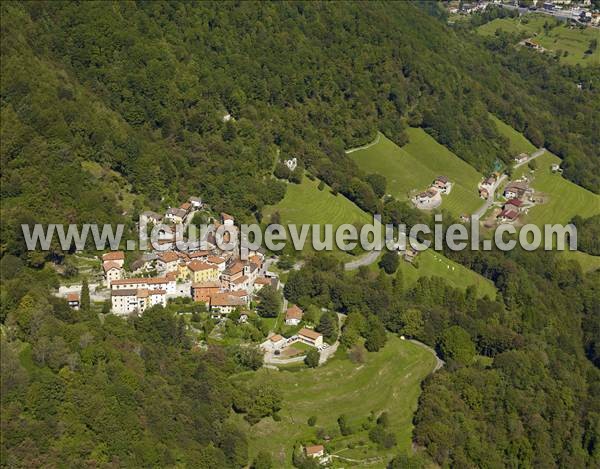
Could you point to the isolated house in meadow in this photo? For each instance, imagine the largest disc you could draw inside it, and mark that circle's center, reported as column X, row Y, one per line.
column 316, row 451
column 293, row 316
column 442, row 183
column 410, row 254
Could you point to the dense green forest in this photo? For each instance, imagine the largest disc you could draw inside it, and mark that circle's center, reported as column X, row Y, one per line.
column 139, row 90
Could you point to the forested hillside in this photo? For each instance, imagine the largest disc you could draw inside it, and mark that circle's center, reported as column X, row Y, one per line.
column 141, row 88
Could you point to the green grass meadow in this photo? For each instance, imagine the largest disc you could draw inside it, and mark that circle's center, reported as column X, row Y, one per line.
column 573, row 40
column 389, row 380
column 517, row 141
column 414, row 166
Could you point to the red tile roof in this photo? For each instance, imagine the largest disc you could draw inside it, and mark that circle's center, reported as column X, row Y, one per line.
column 114, row 256
column 314, row 335
column 293, row 313
column 196, row 266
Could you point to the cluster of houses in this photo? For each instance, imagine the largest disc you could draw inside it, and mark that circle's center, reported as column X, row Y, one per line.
column 432, row 197
column 293, row 317
column 220, row 279
column 517, row 194
column 181, row 214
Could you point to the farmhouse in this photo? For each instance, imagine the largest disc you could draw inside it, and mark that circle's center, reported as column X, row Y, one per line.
column 316, row 451
column 293, row 316
column 486, row 187
column 508, row 215
column 515, row 189
column 128, row 301
column 514, row 204
column 442, row 183
column 555, row 168
column 310, row 337
column 275, row 342
column 73, row 300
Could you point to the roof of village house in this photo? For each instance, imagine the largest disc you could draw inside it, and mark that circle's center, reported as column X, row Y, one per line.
column 226, row 299
column 177, row 212
column 293, row 312
column 114, row 256
column 136, row 280
column 235, row 268
column 242, row 279
column 206, row 285
column 171, row 276
column 143, row 293
column 517, row 185
column 73, row 296
column 508, row 213
column 515, row 202
column 263, row 281
column 196, row 266
column 185, row 206
column 197, row 200
column 276, row 338
column 226, row 216
column 168, row 256
column 314, row 335
column 443, row 179
column 194, row 254
column 109, row 265
column 151, row 214
column 215, row 260
column 239, row 293
column 125, row 292
column 314, row 449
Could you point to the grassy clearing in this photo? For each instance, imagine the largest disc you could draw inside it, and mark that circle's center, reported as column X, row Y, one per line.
column 305, row 204
column 414, row 166
column 390, row 378
column 587, row 262
column 517, row 141
column 115, row 181
column 575, row 41
column 431, row 263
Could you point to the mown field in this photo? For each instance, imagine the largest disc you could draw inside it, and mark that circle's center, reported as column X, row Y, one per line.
column 414, row 166
column 517, row 141
column 305, row 204
column 575, row 41
column 389, row 380
column 431, row 263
